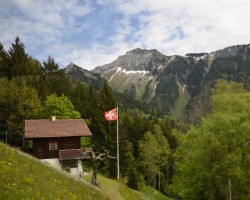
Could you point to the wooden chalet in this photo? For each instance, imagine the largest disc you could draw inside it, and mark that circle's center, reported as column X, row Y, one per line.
column 57, row 139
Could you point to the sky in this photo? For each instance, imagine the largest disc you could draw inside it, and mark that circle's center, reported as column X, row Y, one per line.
column 92, row 33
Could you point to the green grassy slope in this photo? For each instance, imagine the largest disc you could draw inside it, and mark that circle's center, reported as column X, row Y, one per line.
column 23, row 177
column 119, row 191
column 114, row 189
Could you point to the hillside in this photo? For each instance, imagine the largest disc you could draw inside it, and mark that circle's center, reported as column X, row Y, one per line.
column 76, row 73
column 176, row 85
column 119, row 191
column 24, row 177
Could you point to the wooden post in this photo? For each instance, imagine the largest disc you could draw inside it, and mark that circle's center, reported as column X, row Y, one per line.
column 118, row 158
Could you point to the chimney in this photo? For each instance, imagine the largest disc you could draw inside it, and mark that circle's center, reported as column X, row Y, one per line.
column 53, row 117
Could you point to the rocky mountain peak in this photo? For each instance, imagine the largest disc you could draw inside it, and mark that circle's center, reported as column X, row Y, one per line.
column 70, row 67
column 227, row 52
column 136, row 51
column 136, row 59
column 178, row 85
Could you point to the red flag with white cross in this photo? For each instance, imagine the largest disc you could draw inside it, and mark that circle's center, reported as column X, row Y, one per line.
column 111, row 115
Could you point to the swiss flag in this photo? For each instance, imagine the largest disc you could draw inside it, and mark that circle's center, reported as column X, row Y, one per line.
column 111, row 115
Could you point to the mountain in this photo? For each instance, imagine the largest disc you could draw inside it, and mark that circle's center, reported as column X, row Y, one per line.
column 135, row 73
column 150, row 77
column 176, row 85
column 76, row 73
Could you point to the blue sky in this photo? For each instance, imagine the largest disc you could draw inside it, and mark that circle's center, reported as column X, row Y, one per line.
column 91, row 33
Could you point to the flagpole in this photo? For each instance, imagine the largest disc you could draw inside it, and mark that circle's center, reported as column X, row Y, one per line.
column 118, row 158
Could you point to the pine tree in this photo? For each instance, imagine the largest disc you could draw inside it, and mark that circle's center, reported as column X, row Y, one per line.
column 53, row 79
column 16, row 63
column 3, row 62
column 107, row 100
column 18, row 59
column 104, row 132
column 79, row 98
column 4, row 88
column 92, row 102
column 127, row 159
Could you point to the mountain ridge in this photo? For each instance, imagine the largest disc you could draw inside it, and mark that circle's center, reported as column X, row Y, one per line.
column 175, row 85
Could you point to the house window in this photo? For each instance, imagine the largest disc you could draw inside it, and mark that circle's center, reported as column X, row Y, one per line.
column 53, row 146
column 70, row 164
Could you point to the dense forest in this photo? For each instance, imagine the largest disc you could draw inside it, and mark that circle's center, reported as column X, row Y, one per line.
column 209, row 161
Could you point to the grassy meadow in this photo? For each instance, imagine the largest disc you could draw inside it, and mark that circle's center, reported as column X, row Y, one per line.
column 27, row 178
column 24, row 177
column 119, row 191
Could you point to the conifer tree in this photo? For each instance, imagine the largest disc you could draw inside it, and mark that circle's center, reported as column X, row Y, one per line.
column 107, row 100
column 16, row 63
column 92, row 102
column 106, row 129
column 4, row 87
column 104, row 132
column 55, row 79
column 18, row 59
column 3, row 62
column 126, row 152
column 79, row 98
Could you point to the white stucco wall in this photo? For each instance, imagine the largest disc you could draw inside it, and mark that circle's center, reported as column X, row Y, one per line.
column 80, row 166
column 53, row 161
column 77, row 171
column 56, row 163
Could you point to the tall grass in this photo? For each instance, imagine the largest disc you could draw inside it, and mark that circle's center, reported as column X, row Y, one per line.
column 119, row 191
column 116, row 190
column 24, row 177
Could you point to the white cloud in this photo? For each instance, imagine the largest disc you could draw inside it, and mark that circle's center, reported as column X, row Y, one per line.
column 204, row 25
column 92, row 34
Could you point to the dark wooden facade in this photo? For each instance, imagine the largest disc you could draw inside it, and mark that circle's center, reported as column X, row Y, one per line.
column 51, row 136
column 41, row 146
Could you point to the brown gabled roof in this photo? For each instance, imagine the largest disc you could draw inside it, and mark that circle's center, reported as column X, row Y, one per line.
column 44, row 128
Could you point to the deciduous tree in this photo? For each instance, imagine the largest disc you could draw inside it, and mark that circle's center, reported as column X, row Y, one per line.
column 22, row 103
column 61, row 106
column 217, row 152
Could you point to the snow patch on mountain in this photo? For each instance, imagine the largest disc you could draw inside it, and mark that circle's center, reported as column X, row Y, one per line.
column 202, row 57
column 160, row 66
column 117, row 71
column 134, row 71
column 128, row 72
